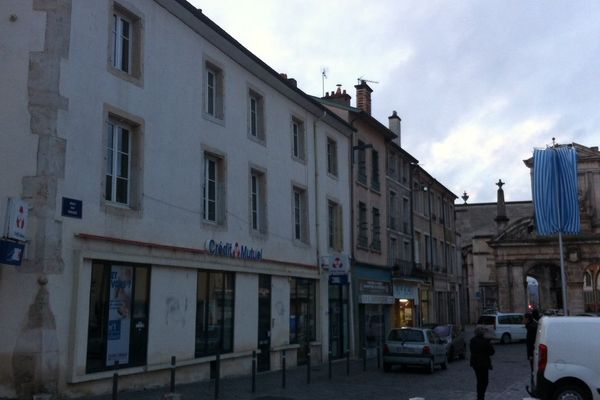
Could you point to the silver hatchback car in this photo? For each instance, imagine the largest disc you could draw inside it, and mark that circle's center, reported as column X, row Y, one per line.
column 414, row 346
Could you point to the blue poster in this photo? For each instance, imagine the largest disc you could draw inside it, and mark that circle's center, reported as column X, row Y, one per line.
column 119, row 315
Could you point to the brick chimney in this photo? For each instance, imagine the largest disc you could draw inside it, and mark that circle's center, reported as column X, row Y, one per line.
column 394, row 123
column 339, row 96
column 363, row 96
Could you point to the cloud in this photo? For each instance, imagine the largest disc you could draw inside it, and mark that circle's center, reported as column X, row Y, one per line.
column 467, row 158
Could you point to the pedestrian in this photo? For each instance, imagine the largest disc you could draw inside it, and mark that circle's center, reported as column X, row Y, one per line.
column 481, row 362
column 531, row 326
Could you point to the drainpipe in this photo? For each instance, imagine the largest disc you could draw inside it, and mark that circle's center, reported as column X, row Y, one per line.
column 317, row 224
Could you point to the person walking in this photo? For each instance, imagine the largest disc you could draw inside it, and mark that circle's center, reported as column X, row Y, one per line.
column 531, row 326
column 481, row 362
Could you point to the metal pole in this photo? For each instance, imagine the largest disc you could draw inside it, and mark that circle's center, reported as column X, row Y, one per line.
column 172, row 374
column 329, row 363
column 347, row 362
column 563, row 275
column 115, row 382
column 283, row 369
column 253, row 371
column 217, row 374
column 308, row 365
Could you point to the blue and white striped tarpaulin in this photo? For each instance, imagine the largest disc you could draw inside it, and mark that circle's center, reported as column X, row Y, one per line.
column 555, row 196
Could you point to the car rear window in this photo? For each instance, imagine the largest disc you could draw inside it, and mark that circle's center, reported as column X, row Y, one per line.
column 406, row 335
column 486, row 320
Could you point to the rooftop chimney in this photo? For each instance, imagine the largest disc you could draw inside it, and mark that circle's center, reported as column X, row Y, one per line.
column 395, row 126
column 339, row 96
column 363, row 96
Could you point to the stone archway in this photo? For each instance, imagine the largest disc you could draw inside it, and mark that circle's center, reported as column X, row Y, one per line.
column 549, row 284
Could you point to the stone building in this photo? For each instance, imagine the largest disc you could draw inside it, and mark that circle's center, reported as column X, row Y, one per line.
column 501, row 249
column 166, row 195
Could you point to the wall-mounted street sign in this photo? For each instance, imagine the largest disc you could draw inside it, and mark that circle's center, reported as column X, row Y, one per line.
column 339, row 267
column 11, row 253
column 71, row 208
column 17, row 219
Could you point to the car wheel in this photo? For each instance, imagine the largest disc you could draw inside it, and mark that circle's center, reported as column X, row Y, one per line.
column 572, row 391
column 505, row 339
column 445, row 363
column 430, row 367
column 387, row 367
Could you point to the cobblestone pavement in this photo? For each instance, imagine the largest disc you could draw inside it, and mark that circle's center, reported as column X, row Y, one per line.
column 507, row 381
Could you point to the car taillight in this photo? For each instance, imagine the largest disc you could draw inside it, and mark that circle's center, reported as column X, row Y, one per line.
column 426, row 350
column 386, row 349
column 542, row 358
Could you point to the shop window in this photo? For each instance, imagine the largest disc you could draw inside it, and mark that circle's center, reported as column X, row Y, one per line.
column 302, row 311
column 118, row 316
column 214, row 313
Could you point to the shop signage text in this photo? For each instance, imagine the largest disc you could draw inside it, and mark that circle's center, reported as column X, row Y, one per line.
column 233, row 250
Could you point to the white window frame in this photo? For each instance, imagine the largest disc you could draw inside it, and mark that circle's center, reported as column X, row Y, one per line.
column 334, row 226
column 120, row 38
column 300, row 214
column 210, row 179
column 298, row 139
column 258, row 202
column 114, row 153
column 332, row 159
column 256, row 115
column 213, row 92
column 125, row 43
column 216, row 179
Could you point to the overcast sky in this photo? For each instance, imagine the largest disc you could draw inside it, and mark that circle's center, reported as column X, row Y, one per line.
column 478, row 84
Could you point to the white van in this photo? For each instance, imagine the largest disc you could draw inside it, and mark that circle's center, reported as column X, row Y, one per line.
column 504, row 327
column 566, row 359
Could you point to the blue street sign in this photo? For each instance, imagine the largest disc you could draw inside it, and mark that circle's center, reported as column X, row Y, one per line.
column 71, row 208
column 11, row 253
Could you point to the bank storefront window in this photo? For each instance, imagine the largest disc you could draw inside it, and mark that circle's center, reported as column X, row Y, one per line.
column 214, row 313
column 302, row 310
column 118, row 315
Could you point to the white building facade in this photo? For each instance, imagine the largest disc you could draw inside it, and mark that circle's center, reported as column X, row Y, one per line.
column 181, row 199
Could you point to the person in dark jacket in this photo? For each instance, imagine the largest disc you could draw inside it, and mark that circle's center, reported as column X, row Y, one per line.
column 481, row 362
column 531, row 326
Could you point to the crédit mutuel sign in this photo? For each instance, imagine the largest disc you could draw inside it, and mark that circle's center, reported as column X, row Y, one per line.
column 232, row 250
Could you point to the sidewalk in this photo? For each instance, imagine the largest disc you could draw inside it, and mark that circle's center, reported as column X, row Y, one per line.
column 456, row 383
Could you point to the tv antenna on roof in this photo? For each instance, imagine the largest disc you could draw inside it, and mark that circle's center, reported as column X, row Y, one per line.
column 323, row 77
column 362, row 79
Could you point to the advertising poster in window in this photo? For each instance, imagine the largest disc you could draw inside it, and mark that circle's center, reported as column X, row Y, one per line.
column 119, row 315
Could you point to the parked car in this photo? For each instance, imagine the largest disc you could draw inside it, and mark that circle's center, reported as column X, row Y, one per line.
column 565, row 359
column 414, row 346
column 454, row 339
column 504, row 327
